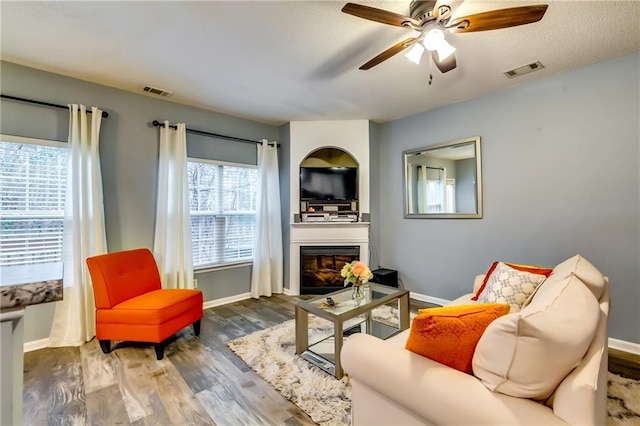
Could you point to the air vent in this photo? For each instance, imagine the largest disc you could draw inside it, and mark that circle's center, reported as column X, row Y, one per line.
column 525, row 69
column 157, row 91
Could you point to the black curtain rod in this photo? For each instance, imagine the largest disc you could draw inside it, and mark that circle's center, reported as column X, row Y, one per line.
column 31, row 101
column 156, row 123
column 434, row 168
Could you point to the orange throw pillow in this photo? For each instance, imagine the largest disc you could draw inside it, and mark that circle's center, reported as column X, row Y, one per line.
column 449, row 335
column 525, row 268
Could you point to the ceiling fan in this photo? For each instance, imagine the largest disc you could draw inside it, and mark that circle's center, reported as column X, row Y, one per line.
column 431, row 18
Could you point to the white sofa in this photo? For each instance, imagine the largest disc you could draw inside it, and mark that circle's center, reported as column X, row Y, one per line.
column 393, row 386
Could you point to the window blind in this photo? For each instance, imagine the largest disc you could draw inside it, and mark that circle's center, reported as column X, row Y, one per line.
column 32, row 193
column 222, row 200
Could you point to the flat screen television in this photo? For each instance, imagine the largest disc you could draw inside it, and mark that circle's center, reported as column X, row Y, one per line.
column 328, row 183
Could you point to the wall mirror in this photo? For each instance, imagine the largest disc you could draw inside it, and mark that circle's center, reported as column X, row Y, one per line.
column 443, row 181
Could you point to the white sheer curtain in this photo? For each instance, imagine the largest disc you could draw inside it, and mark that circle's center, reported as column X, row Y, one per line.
column 435, row 189
column 411, row 195
column 442, row 187
column 172, row 240
column 422, row 189
column 266, row 278
column 84, row 232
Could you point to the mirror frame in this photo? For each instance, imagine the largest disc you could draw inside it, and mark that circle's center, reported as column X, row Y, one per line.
column 478, row 214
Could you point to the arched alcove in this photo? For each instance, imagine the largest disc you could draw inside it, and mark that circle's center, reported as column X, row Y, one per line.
column 329, row 157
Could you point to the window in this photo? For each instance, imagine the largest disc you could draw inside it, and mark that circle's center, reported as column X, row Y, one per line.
column 222, row 199
column 33, row 176
column 435, row 196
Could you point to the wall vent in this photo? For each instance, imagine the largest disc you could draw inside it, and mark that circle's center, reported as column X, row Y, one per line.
column 157, row 91
column 525, row 69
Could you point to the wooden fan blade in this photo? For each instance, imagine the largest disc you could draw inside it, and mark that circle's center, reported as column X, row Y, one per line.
column 497, row 19
column 378, row 15
column 444, row 66
column 389, row 53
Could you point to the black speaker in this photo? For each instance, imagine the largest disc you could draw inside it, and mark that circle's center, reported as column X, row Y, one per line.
column 385, row 276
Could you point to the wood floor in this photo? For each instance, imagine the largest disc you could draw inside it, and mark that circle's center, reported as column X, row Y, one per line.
column 200, row 381
column 624, row 363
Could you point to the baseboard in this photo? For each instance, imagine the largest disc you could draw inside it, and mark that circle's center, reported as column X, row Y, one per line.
column 226, row 300
column 623, row 345
column 428, row 299
column 34, row 345
column 287, row 292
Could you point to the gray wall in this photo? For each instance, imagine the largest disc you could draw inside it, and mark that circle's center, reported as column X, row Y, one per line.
column 129, row 151
column 560, row 177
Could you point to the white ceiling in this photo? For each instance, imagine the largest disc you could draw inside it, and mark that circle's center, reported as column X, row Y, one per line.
column 280, row 61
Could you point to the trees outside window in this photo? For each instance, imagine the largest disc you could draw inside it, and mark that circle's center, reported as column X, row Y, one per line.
column 222, row 199
column 33, row 176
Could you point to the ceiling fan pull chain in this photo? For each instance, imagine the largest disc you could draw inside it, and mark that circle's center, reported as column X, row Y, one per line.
column 430, row 70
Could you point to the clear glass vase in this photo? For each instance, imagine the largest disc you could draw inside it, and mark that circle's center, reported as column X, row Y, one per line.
column 357, row 293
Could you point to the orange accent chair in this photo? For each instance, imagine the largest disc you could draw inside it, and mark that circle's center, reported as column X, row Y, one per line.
column 132, row 306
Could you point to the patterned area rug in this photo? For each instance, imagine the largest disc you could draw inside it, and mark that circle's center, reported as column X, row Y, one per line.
column 623, row 404
column 271, row 354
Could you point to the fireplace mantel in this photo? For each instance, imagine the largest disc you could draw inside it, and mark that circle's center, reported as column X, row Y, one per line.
column 327, row 232
column 324, row 234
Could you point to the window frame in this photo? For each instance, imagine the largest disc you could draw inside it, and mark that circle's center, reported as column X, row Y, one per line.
column 33, row 141
column 36, row 271
column 225, row 265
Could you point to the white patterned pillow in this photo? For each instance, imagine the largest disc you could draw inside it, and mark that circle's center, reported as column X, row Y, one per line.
column 508, row 285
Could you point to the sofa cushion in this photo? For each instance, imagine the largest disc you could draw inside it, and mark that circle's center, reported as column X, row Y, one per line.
column 527, row 354
column 449, row 334
column 465, row 299
column 510, row 285
column 546, row 293
column 525, row 268
column 583, row 269
column 478, row 281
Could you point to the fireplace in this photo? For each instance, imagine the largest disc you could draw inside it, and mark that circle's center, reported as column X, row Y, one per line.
column 320, row 267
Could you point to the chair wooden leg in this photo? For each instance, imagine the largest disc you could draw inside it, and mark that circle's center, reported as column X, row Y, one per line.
column 196, row 328
column 105, row 345
column 159, row 350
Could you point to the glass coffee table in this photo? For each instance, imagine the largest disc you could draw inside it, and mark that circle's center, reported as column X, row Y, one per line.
column 349, row 316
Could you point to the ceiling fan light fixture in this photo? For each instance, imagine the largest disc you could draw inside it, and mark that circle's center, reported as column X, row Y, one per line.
column 433, row 39
column 445, row 50
column 431, row 17
column 415, row 53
